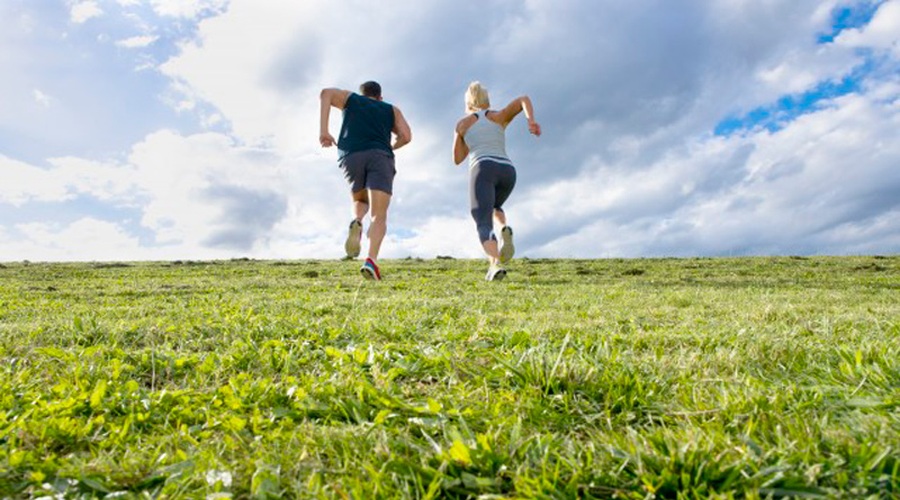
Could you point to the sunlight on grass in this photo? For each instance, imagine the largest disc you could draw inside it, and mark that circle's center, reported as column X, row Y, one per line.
column 666, row 378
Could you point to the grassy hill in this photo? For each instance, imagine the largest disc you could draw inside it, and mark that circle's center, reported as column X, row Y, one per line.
column 634, row 378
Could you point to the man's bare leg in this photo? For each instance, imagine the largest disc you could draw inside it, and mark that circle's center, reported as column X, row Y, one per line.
column 379, row 208
column 360, row 204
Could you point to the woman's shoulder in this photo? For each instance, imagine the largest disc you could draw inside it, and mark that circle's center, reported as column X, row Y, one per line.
column 466, row 121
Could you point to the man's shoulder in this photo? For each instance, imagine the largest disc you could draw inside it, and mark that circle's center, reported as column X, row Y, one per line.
column 353, row 98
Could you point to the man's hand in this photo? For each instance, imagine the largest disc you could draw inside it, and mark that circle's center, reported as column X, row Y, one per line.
column 326, row 140
column 534, row 128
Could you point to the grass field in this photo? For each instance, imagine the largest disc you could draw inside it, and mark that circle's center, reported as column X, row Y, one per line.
column 638, row 378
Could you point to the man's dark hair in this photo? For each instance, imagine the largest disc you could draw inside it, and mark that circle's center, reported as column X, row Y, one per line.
column 370, row 89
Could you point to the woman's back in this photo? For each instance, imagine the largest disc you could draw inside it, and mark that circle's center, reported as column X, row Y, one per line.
column 486, row 139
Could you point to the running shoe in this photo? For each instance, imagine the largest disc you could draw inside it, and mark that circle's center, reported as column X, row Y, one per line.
column 370, row 270
column 495, row 273
column 354, row 236
column 507, row 249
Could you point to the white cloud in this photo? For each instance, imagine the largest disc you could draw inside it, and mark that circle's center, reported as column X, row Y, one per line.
column 233, row 59
column 186, row 8
column 41, row 98
column 193, row 192
column 84, row 239
column 828, row 176
column 102, row 181
column 24, row 183
column 82, row 11
column 137, row 41
column 205, row 190
column 628, row 94
column 440, row 235
column 801, row 70
column 883, row 32
column 65, row 179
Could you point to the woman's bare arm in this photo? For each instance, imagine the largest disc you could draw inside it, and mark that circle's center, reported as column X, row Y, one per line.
column 460, row 148
column 516, row 106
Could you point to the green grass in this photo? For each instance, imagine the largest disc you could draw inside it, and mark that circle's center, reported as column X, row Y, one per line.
column 665, row 378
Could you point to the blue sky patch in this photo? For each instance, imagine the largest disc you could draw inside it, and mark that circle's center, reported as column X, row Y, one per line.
column 775, row 116
column 788, row 108
column 849, row 17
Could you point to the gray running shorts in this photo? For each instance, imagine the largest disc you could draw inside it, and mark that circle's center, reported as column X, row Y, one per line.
column 369, row 169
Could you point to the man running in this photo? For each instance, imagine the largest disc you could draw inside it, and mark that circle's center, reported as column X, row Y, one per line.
column 366, row 156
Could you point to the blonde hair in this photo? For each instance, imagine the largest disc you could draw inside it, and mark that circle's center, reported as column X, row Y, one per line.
column 477, row 97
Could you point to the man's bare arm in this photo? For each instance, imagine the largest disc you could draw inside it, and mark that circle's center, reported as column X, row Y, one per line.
column 401, row 130
column 328, row 98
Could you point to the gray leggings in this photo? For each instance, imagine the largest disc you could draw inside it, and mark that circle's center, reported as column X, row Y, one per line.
column 490, row 184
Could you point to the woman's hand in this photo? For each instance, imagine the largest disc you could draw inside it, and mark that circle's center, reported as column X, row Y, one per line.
column 534, row 127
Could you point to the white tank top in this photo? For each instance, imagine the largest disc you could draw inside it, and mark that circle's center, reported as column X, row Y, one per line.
column 486, row 141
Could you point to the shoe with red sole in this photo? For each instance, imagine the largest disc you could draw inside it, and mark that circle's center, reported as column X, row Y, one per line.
column 370, row 271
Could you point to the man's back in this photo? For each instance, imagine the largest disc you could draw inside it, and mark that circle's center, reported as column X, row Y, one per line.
column 367, row 125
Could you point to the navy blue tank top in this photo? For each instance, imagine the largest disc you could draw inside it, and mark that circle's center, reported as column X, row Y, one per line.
column 367, row 125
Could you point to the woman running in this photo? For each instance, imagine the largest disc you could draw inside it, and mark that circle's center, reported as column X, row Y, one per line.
column 481, row 136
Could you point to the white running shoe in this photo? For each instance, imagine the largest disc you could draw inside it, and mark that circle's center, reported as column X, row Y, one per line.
column 495, row 273
column 354, row 236
column 507, row 249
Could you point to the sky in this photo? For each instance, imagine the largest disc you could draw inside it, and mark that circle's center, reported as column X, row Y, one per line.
column 188, row 129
